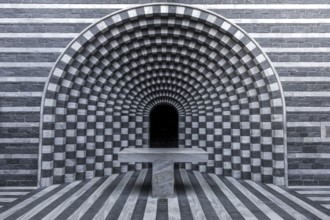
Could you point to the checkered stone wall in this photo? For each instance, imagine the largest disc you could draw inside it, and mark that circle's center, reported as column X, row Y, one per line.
column 101, row 90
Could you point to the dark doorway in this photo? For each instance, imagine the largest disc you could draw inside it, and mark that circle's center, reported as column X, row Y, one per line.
column 164, row 127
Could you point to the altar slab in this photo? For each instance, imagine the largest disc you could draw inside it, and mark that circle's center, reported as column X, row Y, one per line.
column 149, row 155
column 163, row 160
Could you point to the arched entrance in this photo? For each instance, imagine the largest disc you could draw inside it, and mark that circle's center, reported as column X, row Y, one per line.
column 101, row 87
column 163, row 127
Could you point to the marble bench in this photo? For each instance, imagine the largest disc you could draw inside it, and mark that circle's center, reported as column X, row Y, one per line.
column 163, row 160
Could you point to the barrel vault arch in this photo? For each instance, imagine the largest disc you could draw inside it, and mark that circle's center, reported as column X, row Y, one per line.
column 227, row 91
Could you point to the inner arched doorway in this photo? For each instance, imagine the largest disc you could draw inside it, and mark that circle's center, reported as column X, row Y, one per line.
column 164, row 127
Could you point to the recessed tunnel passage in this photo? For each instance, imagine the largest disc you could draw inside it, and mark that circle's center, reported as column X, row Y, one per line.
column 164, row 127
column 100, row 93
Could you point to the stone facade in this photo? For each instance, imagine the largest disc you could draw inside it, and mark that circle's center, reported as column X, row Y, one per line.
column 293, row 36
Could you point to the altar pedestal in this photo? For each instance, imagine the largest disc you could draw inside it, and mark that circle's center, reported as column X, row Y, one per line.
column 163, row 160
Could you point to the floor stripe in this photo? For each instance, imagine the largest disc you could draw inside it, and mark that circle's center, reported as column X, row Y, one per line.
column 19, row 199
column 245, row 200
column 64, row 196
column 318, row 198
column 309, row 187
column 307, row 109
column 162, row 209
column 326, row 206
column 277, row 209
column 316, row 204
column 37, row 202
column 141, row 203
column 224, row 200
column 262, row 206
column 121, row 200
column 194, row 203
column 303, row 204
column 48, row 201
column 246, row 213
column 216, row 204
column 128, row 208
column 151, row 208
column 112, row 198
column 59, row 209
column 7, row 199
column 173, row 207
column 91, row 199
column 128, row 196
column 185, row 210
column 314, row 192
column 205, row 203
column 27, row 202
column 13, row 193
column 18, row 187
column 83, row 198
column 277, row 201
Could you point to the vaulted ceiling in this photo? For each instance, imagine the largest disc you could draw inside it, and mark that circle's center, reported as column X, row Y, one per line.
column 102, row 88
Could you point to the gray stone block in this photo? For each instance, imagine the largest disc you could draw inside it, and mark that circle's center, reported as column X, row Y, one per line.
column 162, row 178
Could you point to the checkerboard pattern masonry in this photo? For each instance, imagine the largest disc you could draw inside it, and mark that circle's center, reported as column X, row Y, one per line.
column 102, row 88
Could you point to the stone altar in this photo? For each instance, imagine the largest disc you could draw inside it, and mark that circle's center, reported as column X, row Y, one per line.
column 163, row 160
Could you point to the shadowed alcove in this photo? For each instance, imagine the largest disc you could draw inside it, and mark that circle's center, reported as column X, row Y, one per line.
column 164, row 127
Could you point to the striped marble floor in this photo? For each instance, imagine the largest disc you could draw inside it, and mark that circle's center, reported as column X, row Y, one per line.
column 10, row 194
column 198, row 196
column 317, row 194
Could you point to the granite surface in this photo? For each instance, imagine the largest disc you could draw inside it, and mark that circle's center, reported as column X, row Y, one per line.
column 153, row 154
column 162, row 160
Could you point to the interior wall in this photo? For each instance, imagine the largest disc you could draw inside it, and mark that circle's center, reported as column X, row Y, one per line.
column 293, row 36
